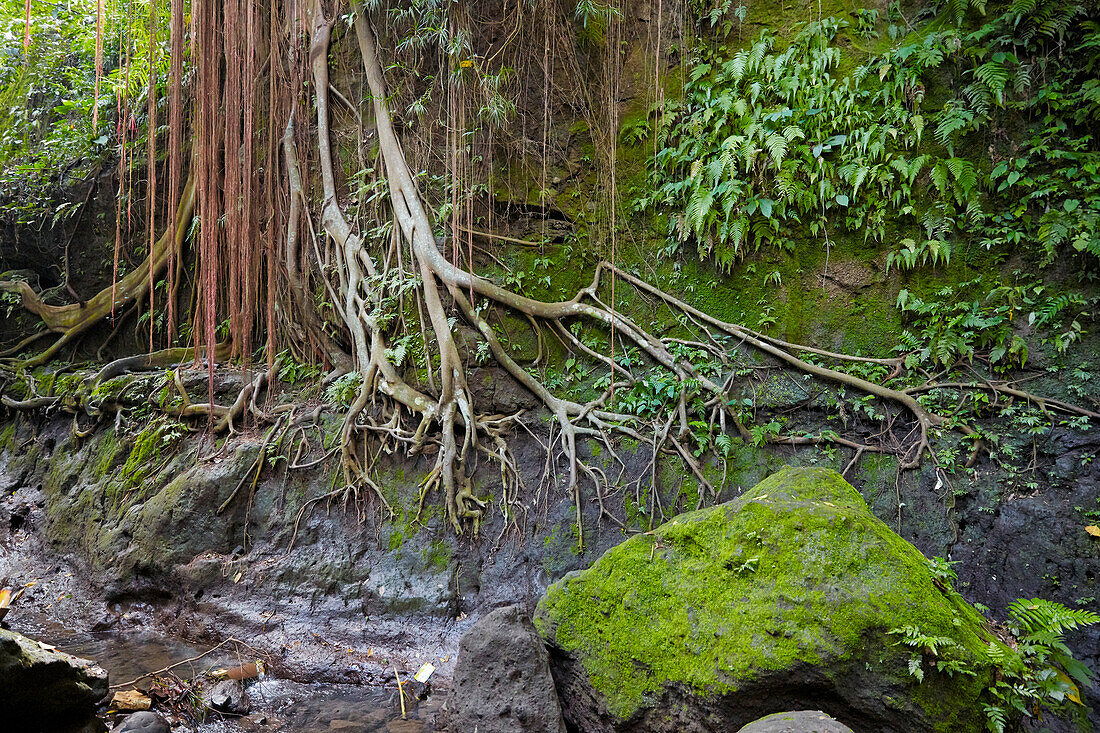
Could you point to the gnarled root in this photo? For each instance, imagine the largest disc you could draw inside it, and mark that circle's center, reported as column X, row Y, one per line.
column 71, row 321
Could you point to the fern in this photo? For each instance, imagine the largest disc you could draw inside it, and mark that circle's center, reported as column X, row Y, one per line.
column 1041, row 616
column 827, row 149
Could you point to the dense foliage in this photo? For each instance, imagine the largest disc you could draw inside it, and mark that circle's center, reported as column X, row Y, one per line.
column 780, row 142
column 54, row 129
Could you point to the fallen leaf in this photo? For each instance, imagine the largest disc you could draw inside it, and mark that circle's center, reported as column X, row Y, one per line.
column 1073, row 693
column 1093, row 530
column 238, row 576
column 424, row 673
column 131, row 700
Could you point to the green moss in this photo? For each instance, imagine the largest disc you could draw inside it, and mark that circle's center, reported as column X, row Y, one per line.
column 559, row 546
column 7, row 437
column 795, row 571
column 437, row 556
column 68, row 384
column 107, row 452
column 143, row 455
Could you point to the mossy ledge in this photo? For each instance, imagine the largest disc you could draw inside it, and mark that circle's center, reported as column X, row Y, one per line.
column 783, row 596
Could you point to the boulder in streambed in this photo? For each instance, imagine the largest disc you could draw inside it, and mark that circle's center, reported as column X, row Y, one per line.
column 226, row 697
column 145, row 721
column 502, row 681
column 40, row 686
column 797, row 721
column 782, row 599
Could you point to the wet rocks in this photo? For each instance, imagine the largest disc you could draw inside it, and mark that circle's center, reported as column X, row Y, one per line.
column 228, row 697
column 502, row 681
column 43, row 686
column 783, row 598
column 143, row 722
column 799, row 721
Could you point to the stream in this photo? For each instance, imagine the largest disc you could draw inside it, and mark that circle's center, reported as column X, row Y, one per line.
column 61, row 608
column 287, row 706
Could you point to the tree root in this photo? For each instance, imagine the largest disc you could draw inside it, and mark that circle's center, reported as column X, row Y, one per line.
column 71, row 321
column 157, row 360
column 449, row 410
column 388, row 414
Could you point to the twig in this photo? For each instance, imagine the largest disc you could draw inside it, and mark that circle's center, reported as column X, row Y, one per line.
column 170, row 667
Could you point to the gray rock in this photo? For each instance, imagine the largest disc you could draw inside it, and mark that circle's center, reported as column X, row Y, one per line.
column 43, row 685
column 144, row 722
column 502, row 681
column 799, row 721
column 228, row 697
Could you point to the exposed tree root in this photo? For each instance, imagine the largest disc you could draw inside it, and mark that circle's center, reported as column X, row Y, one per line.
column 447, row 418
column 71, row 321
column 389, row 414
column 158, row 359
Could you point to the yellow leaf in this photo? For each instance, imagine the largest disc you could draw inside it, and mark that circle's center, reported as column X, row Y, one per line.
column 1093, row 530
column 466, row 63
column 131, row 700
column 1072, row 693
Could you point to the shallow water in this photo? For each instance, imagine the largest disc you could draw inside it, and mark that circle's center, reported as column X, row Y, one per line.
column 288, row 707
column 128, row 655
column 336, row 707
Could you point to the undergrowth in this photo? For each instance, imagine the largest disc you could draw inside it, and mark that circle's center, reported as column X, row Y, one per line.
column 1036, row 671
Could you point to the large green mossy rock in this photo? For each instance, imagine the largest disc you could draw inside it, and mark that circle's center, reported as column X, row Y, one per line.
column 781, row 599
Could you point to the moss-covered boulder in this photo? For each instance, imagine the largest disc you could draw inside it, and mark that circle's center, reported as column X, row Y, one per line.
column 782, row 599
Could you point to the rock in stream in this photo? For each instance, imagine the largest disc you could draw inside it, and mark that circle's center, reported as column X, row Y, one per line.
column 40, row 686
column 786, row 598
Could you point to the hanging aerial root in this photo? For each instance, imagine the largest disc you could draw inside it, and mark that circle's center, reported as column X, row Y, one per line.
column 447, row 422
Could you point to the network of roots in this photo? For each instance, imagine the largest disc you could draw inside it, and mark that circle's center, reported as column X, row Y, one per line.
column 393, row 268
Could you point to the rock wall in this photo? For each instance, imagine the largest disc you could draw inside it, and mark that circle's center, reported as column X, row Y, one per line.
column 142, row 522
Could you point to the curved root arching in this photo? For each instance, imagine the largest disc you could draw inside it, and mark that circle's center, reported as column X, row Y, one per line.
column 71, row 321
column 389, row 414
column 450, row 418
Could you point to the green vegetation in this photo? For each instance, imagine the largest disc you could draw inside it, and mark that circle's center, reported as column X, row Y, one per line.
column 785, row 575
column 979, row 316
column 780, row 576
column 48, row 99
column 1035, row 673
column 773, row 145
